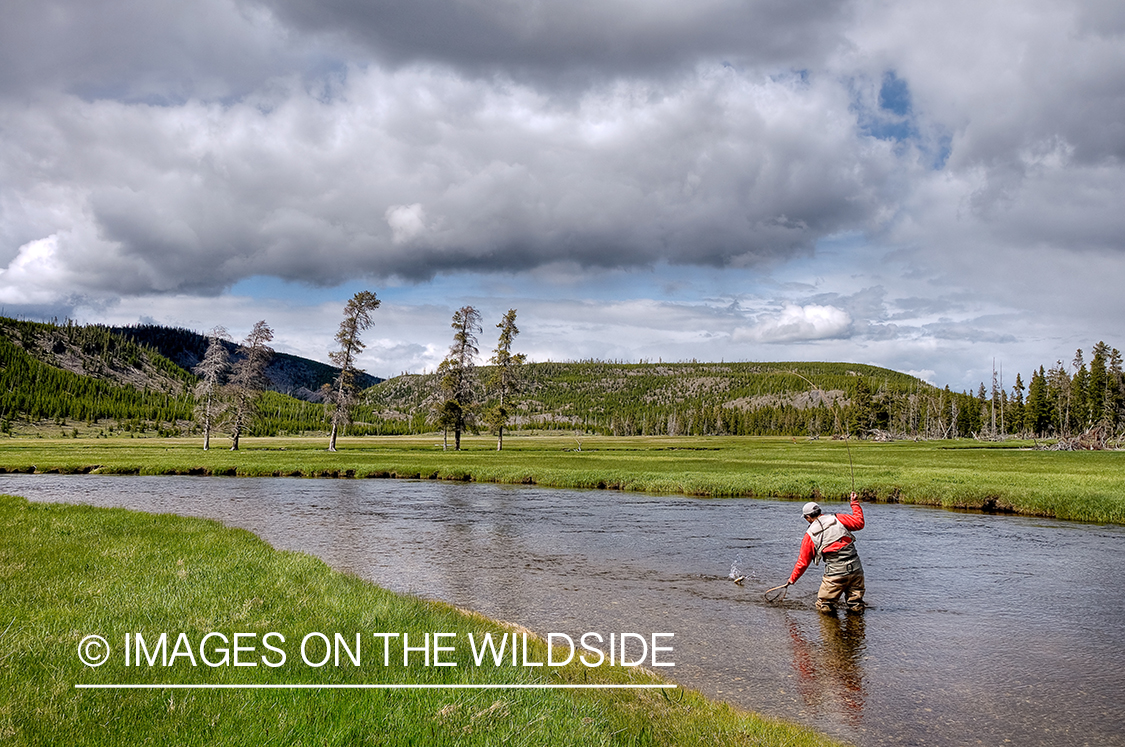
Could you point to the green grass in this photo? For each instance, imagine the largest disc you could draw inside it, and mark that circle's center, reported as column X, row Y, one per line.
column 70, row 571
column 1085, row 486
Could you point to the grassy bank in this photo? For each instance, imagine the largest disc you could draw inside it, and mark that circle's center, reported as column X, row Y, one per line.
column 1086, row 486
column 71, row 571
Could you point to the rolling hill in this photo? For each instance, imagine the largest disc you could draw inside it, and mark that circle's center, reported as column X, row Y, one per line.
column 675, row 398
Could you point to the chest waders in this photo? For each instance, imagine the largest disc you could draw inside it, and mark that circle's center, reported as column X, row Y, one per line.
column 824, row 531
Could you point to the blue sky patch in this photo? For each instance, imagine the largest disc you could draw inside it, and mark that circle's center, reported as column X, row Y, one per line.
column 894, row 95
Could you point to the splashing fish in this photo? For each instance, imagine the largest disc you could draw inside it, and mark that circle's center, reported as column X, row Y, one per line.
column 736, row 574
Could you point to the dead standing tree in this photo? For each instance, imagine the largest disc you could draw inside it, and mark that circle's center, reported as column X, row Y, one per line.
column 341, row 394
column 248, row 379
column 456, row 373
column 208, row 392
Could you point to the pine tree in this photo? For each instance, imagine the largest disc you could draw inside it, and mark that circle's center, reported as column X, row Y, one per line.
column 341, row 394
column 1059, row 391
column 983, row 401
column 863, row 408
column 208, row 392
column 1038, row 412
column 1017, row 417
column 505, row 380
column 449, row 414
column 457, row 373
column 1098, row 386
column 248, row 379
column 1116, row 385
column 1079, row 393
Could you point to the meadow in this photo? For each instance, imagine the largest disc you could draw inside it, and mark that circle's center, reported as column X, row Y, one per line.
column 71, row 571
column 962, row 474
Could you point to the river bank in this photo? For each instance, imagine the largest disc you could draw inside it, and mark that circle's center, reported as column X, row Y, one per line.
column 933, row 659
column 74, row 571
column 1008, row 477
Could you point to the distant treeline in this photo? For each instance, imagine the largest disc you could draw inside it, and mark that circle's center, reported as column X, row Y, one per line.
column 1064, row 399
column 92, row 373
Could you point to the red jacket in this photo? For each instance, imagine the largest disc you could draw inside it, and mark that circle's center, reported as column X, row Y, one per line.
column 852, row 521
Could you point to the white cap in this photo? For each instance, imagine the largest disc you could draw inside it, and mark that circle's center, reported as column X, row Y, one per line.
column 810, row 508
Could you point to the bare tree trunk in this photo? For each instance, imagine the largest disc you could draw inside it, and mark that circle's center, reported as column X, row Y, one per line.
column 1003, row 428
column 211, row 370
column 332, row 438
column 995, row 396
column 500, row 438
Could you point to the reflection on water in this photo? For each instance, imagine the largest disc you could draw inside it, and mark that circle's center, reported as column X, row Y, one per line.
column 830, row 668
column 981, row 628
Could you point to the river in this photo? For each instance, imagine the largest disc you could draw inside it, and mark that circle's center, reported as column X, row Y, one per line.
column 982, row 628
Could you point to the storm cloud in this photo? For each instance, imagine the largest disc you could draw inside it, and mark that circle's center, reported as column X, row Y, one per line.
column 974, row 153
column 419, row 171
column 559, row 41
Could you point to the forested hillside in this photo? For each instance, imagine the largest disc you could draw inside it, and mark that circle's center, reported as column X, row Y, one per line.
column 86, row 374
column 797, row 399
column 695, row 399
column 82, row 373
column 288, row 374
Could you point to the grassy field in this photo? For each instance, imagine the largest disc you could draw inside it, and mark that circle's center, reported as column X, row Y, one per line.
column 1085, row 486
column 70, row 571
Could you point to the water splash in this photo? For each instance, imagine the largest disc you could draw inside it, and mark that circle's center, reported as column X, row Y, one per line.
column 738, row 573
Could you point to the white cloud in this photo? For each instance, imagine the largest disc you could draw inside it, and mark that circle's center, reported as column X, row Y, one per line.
column 34, row 275
column 927, row 375
column 406, row 222
column 796, row 323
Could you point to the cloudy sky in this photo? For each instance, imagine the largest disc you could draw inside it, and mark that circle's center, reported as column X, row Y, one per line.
column 918, row 185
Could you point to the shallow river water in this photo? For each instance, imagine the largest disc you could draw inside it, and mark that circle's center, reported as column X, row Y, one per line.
column 982, row 629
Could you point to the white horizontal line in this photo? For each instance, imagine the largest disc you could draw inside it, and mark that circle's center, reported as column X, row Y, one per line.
column 184, row 686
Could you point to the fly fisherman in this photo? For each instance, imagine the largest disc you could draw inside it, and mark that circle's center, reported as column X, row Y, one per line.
column 829, row 537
